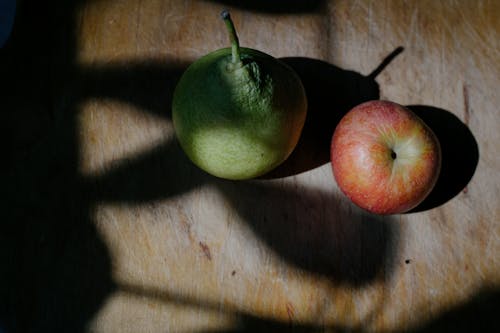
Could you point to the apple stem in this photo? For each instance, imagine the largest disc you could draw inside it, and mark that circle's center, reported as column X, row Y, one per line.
column 233, row 38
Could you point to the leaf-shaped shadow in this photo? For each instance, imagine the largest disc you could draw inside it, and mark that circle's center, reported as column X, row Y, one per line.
column 162, row 172
column 243, row 320
column 317, row 231
column 148, row 85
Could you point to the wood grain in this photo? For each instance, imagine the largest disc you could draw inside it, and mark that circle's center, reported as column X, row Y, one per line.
column 114, row 230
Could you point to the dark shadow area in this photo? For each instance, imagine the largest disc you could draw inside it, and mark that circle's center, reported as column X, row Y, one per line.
column 317, row 231
column 276, row 6
column 251, row 324
column 479, row 314
column 54, row 267
column 162, row 172
column 147, row 85
column 460, row 154
column 331, row 92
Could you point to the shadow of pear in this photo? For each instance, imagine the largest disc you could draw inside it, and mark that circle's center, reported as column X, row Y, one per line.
column 460, row 154
column 331, row 92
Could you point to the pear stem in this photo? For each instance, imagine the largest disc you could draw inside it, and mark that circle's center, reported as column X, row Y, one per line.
column 233, row 37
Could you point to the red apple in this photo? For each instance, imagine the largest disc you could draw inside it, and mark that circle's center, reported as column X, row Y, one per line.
column 384, row 157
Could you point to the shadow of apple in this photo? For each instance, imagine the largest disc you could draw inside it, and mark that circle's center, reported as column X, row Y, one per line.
column 460, row 154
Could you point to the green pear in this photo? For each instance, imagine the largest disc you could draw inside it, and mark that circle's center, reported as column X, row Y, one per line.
column 237, row 112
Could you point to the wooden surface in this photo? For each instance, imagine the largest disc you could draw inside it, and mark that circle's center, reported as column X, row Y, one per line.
column 107, row 226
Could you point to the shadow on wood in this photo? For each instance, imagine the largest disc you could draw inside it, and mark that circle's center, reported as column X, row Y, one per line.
column 243, row 321
column 331, row 92
column 316, row 231
column 460, row 154
column 478, row 314
column 276, row 7
column 162, row 172
column 54, row 267
column 148, row 85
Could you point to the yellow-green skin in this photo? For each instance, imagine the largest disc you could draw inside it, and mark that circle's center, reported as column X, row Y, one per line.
column 238, row 121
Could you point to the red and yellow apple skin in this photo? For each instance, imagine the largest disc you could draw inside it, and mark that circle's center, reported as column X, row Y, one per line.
column 385, row 159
